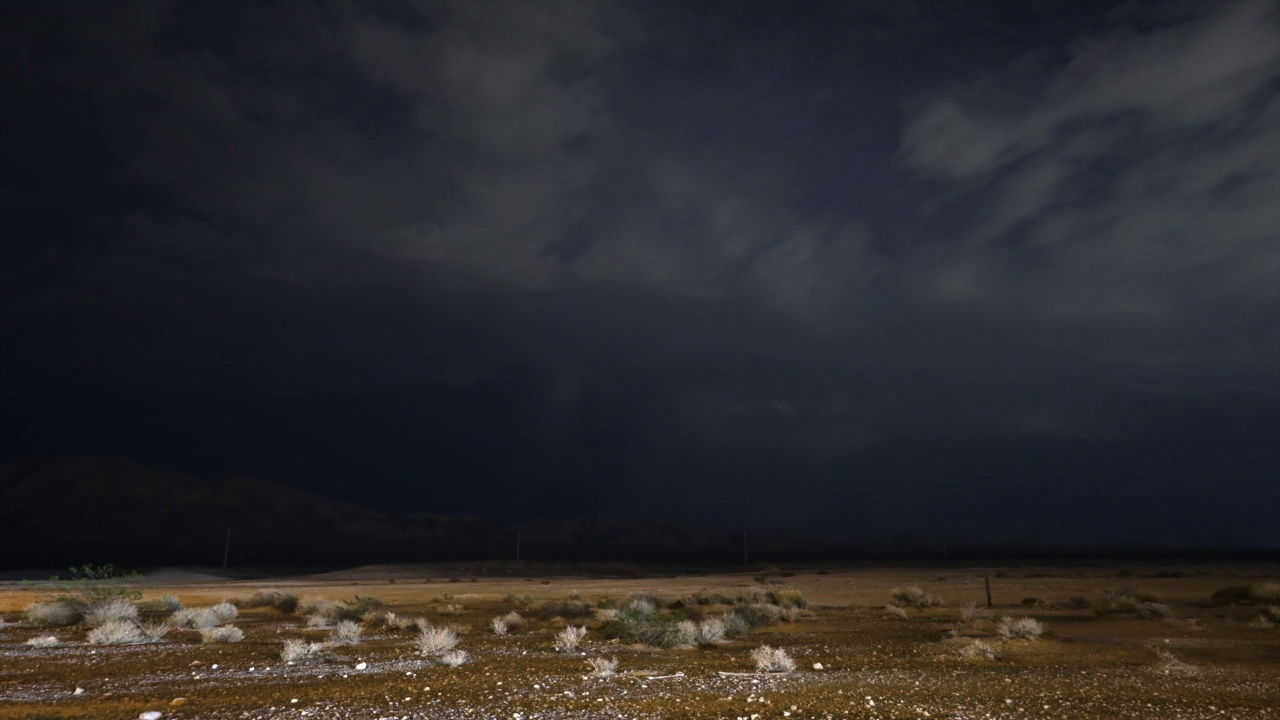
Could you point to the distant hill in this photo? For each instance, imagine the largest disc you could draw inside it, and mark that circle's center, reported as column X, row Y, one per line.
column 82, row 508
column 59, row 511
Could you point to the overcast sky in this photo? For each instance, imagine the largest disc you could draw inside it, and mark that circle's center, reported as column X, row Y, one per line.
column 959, row 269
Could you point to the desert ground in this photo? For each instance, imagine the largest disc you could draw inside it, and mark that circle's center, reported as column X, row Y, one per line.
column 1176, row 656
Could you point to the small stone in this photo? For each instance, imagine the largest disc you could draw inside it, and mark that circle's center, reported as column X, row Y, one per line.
column 79, row 691
column 198, row 663
column 817, row 666
column 178, row 702
column 293, row 700
column 151, row 715
column 361, row 666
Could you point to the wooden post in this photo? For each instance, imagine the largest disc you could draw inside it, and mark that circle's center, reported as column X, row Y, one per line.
column 986, row 580
column 744, row 547
column 517, row 544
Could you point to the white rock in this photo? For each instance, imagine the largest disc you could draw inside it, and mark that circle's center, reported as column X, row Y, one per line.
column 79, row 691
column 817, row 666
column 151, row 715
column 361, row 666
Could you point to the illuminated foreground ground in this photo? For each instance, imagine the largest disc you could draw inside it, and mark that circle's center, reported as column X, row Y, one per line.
column 1214, row 662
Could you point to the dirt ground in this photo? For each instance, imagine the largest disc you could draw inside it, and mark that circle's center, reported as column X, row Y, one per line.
column 854, row 659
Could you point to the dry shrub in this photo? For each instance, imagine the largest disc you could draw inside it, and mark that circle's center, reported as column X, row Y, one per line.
column 896, row 612
column 915, row 597
column 346, row 632
column 772, row 660
column 977, row 650
column 1023, row 628
column 224, row 634
column 1267, row 593
column 603, row 667
column 454, row 658
column 116, row 632
column 108, row 610
column 570, row 639
column 433, row 641
column 53, row 614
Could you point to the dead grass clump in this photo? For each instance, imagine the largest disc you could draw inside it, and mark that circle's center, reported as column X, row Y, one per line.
column 312, row 605
column 44, row 641
column 1127, row 601
column 1153, row 611
column 275, row 599
column 894, row 611
column 155, row 632
column 972, row 611
column 499, row 626
column 434, row 641
column 168, row 603
column 759, row 614
column 977, row 650
column 772, row 660
column 1169, row 664
column 454, row 658
column 299, row 651
column 330, row 612
column 711, row 631
column 346, row 632
column 603, row 667
column 680, row 634
column 570, row 639
column 914, row 597
column 55, row 613
column 566, row 609
column 703, row 598
column 1255, row 594
column 108, row 610
column 1023, row 628
column 224, row 634
column 203, row 618
column 735, row 624
column 116, row 632
column 520, row 601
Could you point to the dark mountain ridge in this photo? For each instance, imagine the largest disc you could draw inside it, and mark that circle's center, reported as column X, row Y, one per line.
column 64, row 510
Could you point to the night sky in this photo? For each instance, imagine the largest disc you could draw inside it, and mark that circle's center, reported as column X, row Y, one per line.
column 947, row 269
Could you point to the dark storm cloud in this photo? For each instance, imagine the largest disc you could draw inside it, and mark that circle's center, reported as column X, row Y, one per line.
column 775, row 244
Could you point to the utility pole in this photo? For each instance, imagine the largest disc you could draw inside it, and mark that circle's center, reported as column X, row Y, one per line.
column 517, row 544
column 986, row 580
column 226, row 548
column 744, row 547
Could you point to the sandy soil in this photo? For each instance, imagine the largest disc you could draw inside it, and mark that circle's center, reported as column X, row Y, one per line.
column 873, row 666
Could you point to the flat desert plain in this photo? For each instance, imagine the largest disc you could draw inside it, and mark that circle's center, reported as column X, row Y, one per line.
column 1177, row 656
